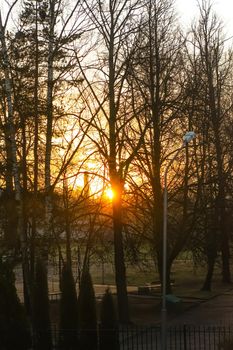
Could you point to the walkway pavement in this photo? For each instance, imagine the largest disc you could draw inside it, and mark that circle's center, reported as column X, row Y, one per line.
column 217, row 310
column 200, row 327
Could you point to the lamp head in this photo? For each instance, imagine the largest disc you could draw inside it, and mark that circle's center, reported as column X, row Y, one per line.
column 189, row 136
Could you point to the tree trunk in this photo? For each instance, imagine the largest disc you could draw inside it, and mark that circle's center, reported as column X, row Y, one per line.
column 35, row 152
column 10, row 227
column 68, row 236
column 215, row 86
column 221, row 213
column 120, row 271
column 50, row 83
column 15, row 169
column 209, row 275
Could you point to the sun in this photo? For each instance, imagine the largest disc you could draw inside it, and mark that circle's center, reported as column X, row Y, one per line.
column 109, row 193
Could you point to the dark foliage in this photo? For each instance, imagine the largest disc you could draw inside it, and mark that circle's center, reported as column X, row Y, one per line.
column 108, row 331
column 68, row 311
column 14, row 328
column 87, row 314
column 41, row 316
column 9, row 219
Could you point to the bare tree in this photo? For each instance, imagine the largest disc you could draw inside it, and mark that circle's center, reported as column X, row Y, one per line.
column 38, row 48
column 10, row 120
column 214, row 66
column 157, row 78
column 115, row 29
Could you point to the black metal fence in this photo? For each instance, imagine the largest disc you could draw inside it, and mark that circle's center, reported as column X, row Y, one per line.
column 182, row 337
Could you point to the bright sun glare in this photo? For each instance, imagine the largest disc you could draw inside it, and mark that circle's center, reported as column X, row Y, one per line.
column 109, row 193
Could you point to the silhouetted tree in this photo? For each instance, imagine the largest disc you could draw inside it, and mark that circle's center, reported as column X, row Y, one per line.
column 14, row 328
column 41, row 316
column 108, row 332
column 155, row 79
column 87, row 314
column 68, row 311
column 116, row 25
column 211, row 67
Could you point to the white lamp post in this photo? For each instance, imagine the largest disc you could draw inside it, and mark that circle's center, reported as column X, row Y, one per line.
column 189, row 136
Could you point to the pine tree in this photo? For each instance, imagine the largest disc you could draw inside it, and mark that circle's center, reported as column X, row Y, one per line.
column 41, row 316
column 14, row 328
column 68, row 311
column 87, row 314
column 108, row 334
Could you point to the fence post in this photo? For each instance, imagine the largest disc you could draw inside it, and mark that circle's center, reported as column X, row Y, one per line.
column 185, row 337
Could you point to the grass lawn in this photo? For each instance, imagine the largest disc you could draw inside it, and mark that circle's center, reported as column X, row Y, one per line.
column 188, row 284
column 145, row 309
column 188, row 279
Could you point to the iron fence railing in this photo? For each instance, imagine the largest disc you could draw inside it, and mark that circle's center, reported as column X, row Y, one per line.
column 179, row 337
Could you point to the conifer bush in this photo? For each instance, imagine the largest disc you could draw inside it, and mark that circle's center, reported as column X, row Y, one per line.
column 41, row 317
column 87, row 314
column 68, row 311
column 14, row 327
column 108, row 330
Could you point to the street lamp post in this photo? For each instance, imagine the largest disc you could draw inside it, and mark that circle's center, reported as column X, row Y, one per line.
column 189, row 136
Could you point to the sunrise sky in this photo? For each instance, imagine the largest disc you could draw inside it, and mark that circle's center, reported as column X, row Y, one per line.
column 187, row 10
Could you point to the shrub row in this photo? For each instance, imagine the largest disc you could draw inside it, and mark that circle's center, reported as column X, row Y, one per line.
column 78, row 318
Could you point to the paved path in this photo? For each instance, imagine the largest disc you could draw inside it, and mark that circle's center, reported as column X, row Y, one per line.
column 218, row 310
column 202, row 327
